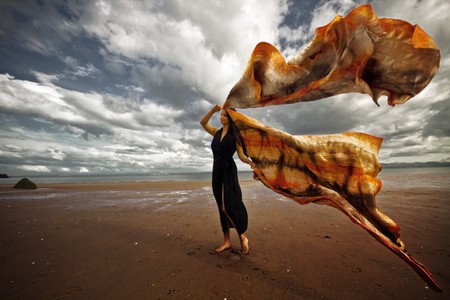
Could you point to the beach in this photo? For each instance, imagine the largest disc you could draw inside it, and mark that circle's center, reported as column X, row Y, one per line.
column 156, row 240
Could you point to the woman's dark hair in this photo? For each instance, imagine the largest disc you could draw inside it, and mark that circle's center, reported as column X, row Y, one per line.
column 235, row 131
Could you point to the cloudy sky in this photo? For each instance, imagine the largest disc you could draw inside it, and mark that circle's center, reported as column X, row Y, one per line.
column 120, row 86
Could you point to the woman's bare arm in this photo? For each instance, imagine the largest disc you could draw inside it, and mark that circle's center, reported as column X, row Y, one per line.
column 244, row 158
column 205, row 120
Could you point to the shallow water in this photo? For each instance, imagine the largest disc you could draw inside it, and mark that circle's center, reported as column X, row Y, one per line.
column 427, row 178
column 392, row 179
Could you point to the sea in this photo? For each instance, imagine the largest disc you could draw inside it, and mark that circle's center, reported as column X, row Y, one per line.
column 102, row 178
column 440, row 177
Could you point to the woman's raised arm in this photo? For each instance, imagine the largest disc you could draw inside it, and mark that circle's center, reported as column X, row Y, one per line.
column 205, row 120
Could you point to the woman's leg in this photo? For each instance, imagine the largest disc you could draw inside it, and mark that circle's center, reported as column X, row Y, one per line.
column 245, row 249
column 226, row 234
column 226, row 242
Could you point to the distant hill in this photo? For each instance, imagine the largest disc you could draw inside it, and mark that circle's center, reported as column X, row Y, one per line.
column 430, row 164
column 4, row 176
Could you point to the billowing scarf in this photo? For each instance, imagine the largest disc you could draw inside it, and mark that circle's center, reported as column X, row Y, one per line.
column 356, row 53
column 339, row 170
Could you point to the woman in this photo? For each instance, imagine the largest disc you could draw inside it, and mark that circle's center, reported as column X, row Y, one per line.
column 226, row 189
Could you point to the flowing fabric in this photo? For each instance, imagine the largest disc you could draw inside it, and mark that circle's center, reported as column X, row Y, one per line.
column 338, row 170
column 357, row 53
column 225, row 183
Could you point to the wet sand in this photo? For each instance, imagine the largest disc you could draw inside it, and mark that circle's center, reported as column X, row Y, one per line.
column 155, row 240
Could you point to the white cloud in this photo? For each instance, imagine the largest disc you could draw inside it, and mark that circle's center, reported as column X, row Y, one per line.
column 78, row 70
column 90, row 113
column 84, row 170
column 207, row 40
column 131, row 137
column 326, row 11
column 42, row 169
column 293, row 36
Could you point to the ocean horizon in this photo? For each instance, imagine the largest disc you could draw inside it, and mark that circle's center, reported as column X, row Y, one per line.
column 185, row 176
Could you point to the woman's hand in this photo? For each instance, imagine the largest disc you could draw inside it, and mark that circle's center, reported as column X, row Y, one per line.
column 216, row 108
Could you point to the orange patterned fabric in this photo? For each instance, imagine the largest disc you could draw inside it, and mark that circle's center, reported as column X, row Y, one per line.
column 356, row 53
column 339, row 170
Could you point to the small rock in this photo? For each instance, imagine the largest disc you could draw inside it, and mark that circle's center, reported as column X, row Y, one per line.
column 25, row 183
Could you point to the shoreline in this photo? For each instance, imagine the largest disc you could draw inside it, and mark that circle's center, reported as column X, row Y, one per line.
column 184, row 177
column 121, row 185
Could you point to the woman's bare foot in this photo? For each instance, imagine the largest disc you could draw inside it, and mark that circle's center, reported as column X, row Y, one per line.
column 245, row 249
column 223, row 247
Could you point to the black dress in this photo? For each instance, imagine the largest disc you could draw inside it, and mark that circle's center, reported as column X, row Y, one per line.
column 224, row 178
